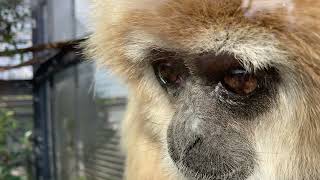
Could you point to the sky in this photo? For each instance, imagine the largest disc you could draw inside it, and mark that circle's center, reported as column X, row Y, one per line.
column 21, row 73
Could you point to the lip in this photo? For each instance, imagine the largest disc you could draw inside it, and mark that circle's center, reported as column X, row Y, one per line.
column 211, row 173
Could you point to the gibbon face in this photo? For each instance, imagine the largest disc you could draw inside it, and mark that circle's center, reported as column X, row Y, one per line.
column 223, row 89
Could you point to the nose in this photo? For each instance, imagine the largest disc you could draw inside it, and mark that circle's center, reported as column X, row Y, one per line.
column 207, row 148
column 219, row 156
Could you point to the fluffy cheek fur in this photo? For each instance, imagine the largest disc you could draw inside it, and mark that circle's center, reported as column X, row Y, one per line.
column 144, row 132
column 275, row 140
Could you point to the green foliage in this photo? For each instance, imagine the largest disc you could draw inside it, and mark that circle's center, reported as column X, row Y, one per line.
column 13, row 150
column 7, row 125
column 14, row 15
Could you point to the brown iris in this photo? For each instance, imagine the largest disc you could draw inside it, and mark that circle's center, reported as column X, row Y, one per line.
column 240, row 82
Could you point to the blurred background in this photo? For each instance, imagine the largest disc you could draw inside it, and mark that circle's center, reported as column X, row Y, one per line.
column 59, row 115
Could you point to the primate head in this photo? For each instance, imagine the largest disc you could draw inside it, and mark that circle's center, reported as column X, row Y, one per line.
column 224, row 89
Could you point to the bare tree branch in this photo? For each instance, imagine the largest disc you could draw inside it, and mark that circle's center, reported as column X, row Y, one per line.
column 41, row 47
column 27, row 63
column 33, row 61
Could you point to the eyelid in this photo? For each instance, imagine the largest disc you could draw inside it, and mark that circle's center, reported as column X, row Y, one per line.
column 170, row 73
column 239, row 71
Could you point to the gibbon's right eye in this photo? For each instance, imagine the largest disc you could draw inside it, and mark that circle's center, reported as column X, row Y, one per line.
column 170, row 73
column 240, row 81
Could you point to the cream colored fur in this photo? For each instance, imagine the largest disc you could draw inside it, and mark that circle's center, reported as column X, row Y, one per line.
column 287, row 139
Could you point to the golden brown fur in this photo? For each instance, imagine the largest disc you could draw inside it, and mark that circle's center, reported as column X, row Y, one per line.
column 287, row 34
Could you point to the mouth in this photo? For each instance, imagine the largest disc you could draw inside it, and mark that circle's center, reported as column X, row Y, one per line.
column 230, row 174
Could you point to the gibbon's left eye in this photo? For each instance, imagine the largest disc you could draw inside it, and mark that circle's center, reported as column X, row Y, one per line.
column 240, row 81
column 170, row 74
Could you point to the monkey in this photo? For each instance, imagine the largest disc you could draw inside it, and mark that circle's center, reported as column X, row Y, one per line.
column 218, row 89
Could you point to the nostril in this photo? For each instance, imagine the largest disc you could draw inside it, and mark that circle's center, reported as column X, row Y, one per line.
column 192, row 145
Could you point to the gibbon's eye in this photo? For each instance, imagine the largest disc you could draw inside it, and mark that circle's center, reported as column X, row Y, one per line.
column 240, row 81
column 170, row 73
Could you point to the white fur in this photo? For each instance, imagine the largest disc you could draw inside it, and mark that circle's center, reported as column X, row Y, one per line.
column 257, row 50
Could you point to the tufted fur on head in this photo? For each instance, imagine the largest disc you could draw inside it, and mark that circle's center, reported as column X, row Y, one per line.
column 283, row 34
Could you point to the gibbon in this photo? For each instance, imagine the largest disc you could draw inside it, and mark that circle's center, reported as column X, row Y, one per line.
column 219, row 89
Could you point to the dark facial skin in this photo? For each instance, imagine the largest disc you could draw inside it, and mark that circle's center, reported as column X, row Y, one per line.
column 206, row 140
column 216, row 100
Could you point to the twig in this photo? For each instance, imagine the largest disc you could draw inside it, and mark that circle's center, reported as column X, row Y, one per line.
column 41, row 47
column 33, row 61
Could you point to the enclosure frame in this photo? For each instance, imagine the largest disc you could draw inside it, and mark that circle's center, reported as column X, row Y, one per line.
column 42, row 88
